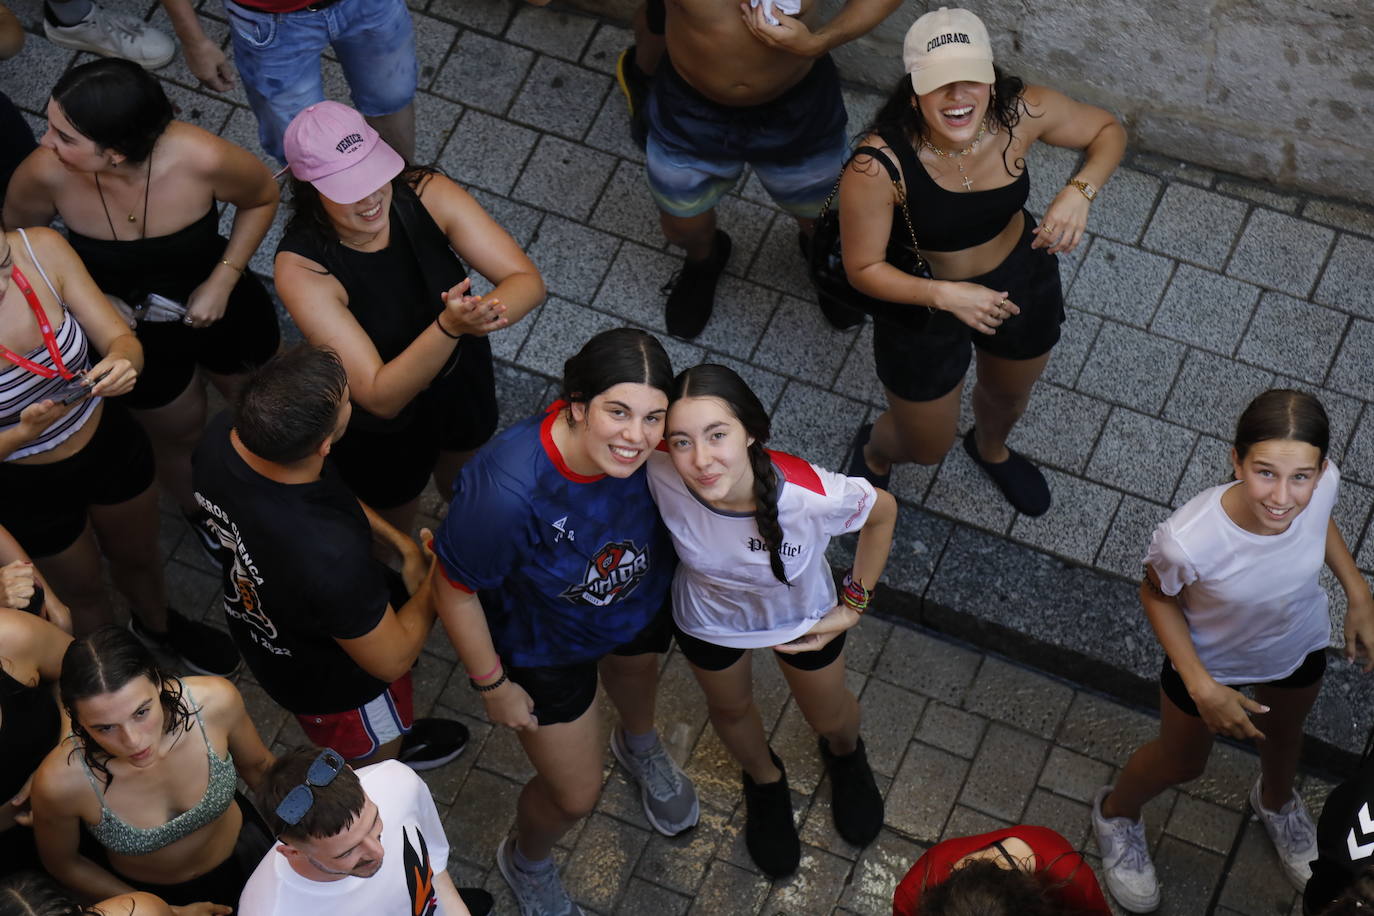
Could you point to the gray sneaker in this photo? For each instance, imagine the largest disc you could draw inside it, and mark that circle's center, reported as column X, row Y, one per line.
column 539, row 893
column 668, row 796
column 113, row 35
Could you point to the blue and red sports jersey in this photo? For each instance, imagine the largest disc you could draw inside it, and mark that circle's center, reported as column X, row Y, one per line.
column 568, row 567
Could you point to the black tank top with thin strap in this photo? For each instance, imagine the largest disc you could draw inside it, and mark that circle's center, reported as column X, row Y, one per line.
column 947, row 220
column 29, row 729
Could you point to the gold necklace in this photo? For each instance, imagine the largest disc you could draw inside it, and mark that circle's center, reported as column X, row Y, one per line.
column 958, row 157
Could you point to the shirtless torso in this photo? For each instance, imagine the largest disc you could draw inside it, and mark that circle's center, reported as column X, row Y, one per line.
column 714, row 51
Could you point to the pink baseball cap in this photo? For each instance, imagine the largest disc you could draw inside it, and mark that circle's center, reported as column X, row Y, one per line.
column 333, row 148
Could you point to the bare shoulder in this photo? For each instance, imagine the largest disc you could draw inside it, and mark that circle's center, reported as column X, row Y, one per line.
column 218, row 700
column 189, row 145
column 59, row 783
column 865, row 163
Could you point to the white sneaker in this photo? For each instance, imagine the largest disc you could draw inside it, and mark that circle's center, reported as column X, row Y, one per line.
column 1125, row 859
column 114, row 35
column 1293, row 833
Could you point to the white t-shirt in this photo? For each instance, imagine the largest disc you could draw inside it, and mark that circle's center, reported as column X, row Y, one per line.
column 1253, row 604
column 416, row 849
column 724, row 591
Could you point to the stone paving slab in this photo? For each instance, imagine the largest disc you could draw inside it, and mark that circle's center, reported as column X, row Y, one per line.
column 1192, row 291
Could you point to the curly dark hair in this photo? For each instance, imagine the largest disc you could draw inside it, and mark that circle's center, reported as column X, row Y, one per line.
column 901, row 114
column 104, row 662
column 985, row 888
column 307, row 212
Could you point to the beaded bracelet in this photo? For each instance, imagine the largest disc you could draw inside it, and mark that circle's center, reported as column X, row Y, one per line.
column 487, row 688
column 854, row 594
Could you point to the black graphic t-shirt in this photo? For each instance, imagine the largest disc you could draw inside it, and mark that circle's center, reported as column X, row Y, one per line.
column 303, row 576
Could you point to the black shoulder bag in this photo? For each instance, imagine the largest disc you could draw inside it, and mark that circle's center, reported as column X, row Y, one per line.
column 827, row 262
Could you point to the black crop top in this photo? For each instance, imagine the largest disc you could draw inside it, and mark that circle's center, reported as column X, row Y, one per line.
column 952, row 220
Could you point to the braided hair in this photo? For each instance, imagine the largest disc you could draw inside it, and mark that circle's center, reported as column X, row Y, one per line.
column 714, row 381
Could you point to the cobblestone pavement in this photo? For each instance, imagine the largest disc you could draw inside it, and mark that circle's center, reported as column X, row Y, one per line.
column 1194, row 291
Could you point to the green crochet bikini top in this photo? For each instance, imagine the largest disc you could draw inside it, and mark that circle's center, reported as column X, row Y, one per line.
column 123, row 839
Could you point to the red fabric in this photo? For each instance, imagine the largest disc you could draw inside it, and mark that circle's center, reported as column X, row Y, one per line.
column 1054, row 858
column 277, row 6
column 351, row 734
column 551, row 447
column 797, row 470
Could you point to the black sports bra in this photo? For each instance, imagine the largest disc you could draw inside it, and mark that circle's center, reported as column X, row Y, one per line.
column 947, row 220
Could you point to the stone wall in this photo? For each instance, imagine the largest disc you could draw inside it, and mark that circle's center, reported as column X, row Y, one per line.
column 1277, row 90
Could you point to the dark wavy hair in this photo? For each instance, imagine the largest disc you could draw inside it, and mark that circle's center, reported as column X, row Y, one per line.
column 290, row 405
column 104, row 662
column 1282, row 413
column 117, row 104
column 307, row 212
column 984, row 888
column 710, row 380
column 901, row 115
column 31, row 893
column 614, row 357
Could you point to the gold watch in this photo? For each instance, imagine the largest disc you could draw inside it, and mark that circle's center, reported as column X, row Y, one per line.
column 1087, row 190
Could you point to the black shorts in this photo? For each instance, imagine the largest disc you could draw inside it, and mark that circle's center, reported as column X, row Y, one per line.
column 929, row 365
column 245, row 338
column 562, row 693
column 1308, row 673
column 389, row 467
column 223, row 883
column 711, row 657
column 45, row 505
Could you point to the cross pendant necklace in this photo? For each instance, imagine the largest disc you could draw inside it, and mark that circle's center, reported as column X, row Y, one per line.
column 958, row 156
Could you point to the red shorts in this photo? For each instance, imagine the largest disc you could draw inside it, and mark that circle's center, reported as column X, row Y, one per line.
column 358, row 733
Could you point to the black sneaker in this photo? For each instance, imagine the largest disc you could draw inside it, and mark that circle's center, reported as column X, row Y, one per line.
column 692, row 291
column 199, row 646
column 634, row 84
column 841, row 317
column 207, row 536
column 432, row 743
column 1020, row 481
column 478, row 901
column 769, row 831
column 856, row 803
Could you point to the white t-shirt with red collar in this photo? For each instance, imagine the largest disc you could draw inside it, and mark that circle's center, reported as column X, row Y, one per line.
column 724, row 591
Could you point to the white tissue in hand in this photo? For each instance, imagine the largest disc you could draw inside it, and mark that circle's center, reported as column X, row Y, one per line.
column 786, row 7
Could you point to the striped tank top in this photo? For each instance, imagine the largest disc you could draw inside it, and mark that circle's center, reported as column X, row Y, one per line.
column 19, row 387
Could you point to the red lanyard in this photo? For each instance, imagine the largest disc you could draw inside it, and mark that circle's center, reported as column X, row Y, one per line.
column 44, row 327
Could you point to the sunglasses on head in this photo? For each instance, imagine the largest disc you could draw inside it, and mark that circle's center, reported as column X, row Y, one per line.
column 300, row 800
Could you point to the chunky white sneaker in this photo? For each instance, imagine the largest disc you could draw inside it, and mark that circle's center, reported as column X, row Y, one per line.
column 1125, row 859
column 113, row 35
column 1293, row 833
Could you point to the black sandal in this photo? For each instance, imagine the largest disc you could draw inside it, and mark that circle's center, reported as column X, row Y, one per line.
column 1020, row 481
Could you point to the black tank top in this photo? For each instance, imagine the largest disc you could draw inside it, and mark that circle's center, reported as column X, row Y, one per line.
column 952, row 220
column 394, row 293
column 29, row 727
column 169, row 265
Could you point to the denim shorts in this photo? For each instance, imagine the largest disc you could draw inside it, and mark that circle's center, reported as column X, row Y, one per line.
column 278, row 58
column 698, row 148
